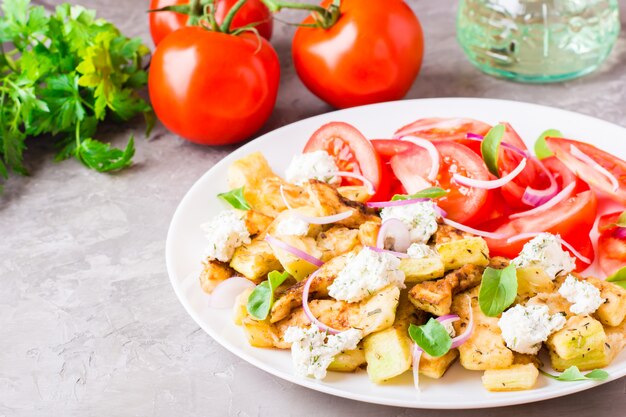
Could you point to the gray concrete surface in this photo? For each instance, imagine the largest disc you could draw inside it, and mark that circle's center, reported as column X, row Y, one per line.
column 89, row 325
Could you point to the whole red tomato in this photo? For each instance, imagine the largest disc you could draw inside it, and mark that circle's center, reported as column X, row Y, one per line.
column 164, row 23
column 371, row 54
column 213, row 88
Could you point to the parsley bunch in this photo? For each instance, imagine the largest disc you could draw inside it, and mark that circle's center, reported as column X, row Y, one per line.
column 61, row 75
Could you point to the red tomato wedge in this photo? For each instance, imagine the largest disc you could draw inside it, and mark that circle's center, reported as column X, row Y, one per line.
column 437, row 128
column 611, row 244
column 572, row 219
column 351, row 150
column 563, row 175
column 463, row 204
column 562, row 149
column 386, row 149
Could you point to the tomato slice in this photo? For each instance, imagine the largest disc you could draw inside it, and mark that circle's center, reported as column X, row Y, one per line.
column 611, row 244
column 437, row 128
column 572, row 219
column 351, row 150
column 586, row 172
column 563, row 175
column 386, row 149
column 463, row 204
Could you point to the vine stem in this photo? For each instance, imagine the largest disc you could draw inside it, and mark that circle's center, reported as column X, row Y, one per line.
column 195, row 10
column 277, row 6
column 228, row 20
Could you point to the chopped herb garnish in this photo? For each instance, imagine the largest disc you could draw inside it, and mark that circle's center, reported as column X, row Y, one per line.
column 236, row 199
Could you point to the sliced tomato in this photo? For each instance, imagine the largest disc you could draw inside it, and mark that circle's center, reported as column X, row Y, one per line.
column 386, row 149
column 463, row 204
column 611, row 244
column 563, row 175
column 572, row 219
column 562, row 149
column 351, row 150
column 437, row 128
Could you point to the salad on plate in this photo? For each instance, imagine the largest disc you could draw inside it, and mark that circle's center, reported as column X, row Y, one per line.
column 449, row 241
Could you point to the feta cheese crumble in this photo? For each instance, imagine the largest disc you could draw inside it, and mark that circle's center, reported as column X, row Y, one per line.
column 421, row 251
column 449, row 326
column 312, row 165
column 365, row 274
column 225, row 233
column 292, row 226
column 420, row 218
column 545, row 251
column 585, row 298
column 524, row 328
column 312, row 351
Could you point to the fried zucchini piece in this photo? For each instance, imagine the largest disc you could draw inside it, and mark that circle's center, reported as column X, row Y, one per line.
column 467, row 251
column 240, row 309
column 513, row 378
column 613, row 311
column 214, row 272
column 445, row 234
column 259, row 333
column 554, row 301
column 532, row 281
column 523, row 359
column 580, row 335
column 328, row 201
column 336, row 241
column 388, row 354
column 485, row 348
column 418, row 270
column 256, row 222
column 354, row 192
column 296, row 266
column 368, row 232
column 255, row 260
column 248, row 172
column 436, row 367
column 436, row 296
column 348, row 361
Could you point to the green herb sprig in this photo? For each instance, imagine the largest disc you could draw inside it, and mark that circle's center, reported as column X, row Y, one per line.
column 573, row 374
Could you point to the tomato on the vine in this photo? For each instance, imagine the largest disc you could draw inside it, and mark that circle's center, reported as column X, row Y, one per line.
column 372, row 53
column 213, row 88
column 253, row 11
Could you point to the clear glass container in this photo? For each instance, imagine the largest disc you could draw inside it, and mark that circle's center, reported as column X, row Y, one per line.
column 537, row 41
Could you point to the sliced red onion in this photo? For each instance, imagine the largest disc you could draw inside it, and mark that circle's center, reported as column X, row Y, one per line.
column 620, row 233
column 441, row 212
column 462, row 338
column 282, row 194
column 396, row 229
column 370, row 187
column 462, row 227
column 307, row 310
column 534, row 197
column 391, row 252
column 448, row 318
column 383, row 204
column 530, row 235
column 225, row 293
column 293, row 250
column 471, row 135
column 432, row 152
column 490, row 184
column 324, row 219
column 586, row 158
column 520, row 152
column 416, row 352
column 565, row 193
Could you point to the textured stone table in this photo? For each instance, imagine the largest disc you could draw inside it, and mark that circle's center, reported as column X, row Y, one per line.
column 89, row 325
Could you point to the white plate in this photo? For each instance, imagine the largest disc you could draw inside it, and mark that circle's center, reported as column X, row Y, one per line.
column 459, row 388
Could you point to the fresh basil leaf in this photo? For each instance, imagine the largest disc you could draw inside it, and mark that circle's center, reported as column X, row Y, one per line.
column 497, row 290
column 490, row 146
column 619, row 277
column 261, row 299
column 541, row 147
column 573, row 374
column 236, row 199
column 621, row 220
column 432, row 337
column 432, row 192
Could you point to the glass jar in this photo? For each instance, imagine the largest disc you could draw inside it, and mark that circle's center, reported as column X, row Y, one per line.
column 535, row 40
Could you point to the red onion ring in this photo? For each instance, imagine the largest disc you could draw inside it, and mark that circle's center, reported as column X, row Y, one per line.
column 396, row 229
column 565, row 193
column 482, row 233
column 447, row 318
column 530, row 235
column 490, row 184
column 534, row 197
column 432, row 152
column 307, row 310
column 462, row 338
column 416, row 352
column 477, row 138
column 225, row 293
column 586, row 158
column 370, row 187
column 324, row 219
column 282, row 194
column 383, row 204
column 293, row 250
column 391, row 252
column 620, row 233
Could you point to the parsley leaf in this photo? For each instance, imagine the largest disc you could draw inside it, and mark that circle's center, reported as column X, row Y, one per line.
column 432, row 192
column 541, row 147
column 236, row 199
column 432, row 337
column 498, row 290
column 490, row 146
column 573, row 374
column 261, row 299
column 619, row 277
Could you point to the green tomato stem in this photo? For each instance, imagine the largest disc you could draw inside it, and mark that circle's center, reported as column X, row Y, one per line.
column 195, row 11
column 228, row 20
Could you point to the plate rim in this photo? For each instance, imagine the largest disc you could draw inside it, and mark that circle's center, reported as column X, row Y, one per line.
column 524, row 397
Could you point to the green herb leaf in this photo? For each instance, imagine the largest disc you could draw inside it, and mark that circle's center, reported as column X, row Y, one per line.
column 621, row 220
column 541, row 147
column 619, row 277
column 490, row 146
column 432, row 337
column 101, row 157
column 573, row 374
column 236, row 199
column 432, row 192
column 261, row 299
column 497, row 290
